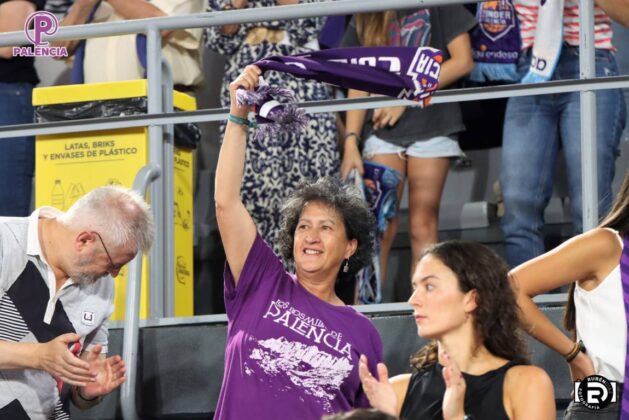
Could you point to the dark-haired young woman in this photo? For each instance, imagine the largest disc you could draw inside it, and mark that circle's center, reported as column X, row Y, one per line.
column 476, row 364
column 589, row 263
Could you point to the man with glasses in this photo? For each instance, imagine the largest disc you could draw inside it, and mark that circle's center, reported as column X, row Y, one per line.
column 56, row 294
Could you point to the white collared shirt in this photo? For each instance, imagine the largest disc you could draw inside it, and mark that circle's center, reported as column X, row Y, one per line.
column 33, row 248
column 33, row 311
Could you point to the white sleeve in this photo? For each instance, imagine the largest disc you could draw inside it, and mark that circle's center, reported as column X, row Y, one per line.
column 189, row 39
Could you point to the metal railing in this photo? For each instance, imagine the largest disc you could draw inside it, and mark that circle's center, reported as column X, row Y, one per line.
column 332, row 105
column 145, row 177
column 160, row 115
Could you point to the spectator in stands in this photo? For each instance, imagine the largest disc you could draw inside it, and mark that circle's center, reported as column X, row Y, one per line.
column 463, row 300
column 538, row 127
column 417, row 143
column 595, row 315
column 56, row 293
column 116, row 58
column 292, row 345
column 17, row 79
column 275, row 165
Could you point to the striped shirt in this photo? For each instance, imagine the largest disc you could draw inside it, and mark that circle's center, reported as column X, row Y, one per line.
column 527, row 16
column 33, row 311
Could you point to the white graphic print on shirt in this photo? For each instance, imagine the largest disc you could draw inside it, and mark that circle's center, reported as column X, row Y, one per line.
column 316, row 372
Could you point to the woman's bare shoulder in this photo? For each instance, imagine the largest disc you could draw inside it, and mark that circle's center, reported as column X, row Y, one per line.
column 529, row 393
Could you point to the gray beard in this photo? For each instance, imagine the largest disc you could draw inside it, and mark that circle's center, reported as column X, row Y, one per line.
column 85, row 279
column 82, row 277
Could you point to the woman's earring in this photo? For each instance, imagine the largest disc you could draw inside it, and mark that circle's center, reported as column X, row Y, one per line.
column 346, row 266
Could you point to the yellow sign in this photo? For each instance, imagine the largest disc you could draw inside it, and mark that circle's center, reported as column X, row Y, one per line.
column 69, row 165
column 184, row 234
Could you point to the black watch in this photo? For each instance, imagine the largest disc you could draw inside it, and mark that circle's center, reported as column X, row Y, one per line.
column 468, row 417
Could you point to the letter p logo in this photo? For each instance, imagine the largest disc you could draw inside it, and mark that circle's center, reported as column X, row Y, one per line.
column 43, row 23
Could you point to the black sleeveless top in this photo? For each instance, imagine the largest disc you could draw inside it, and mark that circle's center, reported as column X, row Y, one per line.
column 483, row 394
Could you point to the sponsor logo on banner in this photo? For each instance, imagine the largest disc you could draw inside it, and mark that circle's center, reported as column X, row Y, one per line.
column 496, row 18
column 424, row 71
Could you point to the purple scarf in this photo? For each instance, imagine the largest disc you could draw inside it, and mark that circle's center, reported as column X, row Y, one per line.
column 399, row 72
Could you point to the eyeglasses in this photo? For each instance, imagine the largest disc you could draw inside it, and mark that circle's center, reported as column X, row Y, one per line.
column 112, row 266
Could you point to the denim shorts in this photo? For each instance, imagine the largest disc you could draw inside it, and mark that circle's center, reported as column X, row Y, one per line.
column 435, row 147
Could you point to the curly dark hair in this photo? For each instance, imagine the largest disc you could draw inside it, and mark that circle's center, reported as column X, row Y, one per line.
column 496, row 317
column 358, row 220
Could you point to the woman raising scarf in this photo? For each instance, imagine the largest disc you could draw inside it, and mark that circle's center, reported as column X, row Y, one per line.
column 293, row 347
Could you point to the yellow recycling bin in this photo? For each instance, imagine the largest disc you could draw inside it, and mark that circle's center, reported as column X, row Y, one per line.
column 69, row 165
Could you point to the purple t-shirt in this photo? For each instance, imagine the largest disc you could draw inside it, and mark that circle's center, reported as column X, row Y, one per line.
column 289, row 354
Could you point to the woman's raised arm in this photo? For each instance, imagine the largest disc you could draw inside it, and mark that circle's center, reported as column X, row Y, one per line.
column 237, row 228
